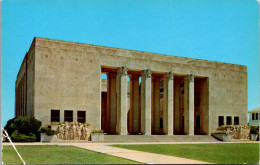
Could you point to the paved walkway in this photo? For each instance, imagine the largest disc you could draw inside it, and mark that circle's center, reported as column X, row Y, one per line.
column 144, row 157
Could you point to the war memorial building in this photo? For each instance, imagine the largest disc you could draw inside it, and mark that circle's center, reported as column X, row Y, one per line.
column 145, row 93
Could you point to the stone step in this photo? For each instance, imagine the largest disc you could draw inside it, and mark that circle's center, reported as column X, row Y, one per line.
column 159, row 138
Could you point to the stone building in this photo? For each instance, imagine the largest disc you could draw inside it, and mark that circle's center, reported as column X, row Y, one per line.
column 61, row 81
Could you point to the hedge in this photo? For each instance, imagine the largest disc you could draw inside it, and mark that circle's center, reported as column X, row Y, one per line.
column 24, row 129
column 19, row 137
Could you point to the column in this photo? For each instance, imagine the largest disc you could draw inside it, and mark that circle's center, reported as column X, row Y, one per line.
column 111, row 103
column 122, row 101
column 24, row 99
column 16, row 114
column 156, row 105
column 21, row 97
column 18, row 101
column 146, row 102
column 61, row 115
column 189, row 105
column 75, row 116
column 22, row 110
column 168, row 104
column 135, row 103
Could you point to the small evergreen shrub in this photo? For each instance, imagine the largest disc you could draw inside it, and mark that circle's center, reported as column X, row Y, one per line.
column 55, row 123
column 27, row 125
column 97, row 131
column 25, row 128
column 19, row 137
column 9, row 127
column 254, row 130
column 46, row 130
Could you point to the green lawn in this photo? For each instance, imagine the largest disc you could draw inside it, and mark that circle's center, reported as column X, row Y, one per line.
column 231, row 153
column 54, row 154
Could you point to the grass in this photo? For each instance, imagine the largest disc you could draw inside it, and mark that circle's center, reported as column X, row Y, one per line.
column 54, row 154
column 225, row 153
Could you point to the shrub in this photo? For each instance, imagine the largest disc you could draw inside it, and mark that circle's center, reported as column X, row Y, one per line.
column 97, row 131
column 55, row 123
column 9, row 127
column 19, row 137
column 254, row 130
column 225, row 127
column 25, row 127
column 46, row 130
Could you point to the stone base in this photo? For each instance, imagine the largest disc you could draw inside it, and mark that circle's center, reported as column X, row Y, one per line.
column 46, row 138
column 54, row 127
column 97, row 137
column 253, row 137
column 222, row 137
column 159, row 138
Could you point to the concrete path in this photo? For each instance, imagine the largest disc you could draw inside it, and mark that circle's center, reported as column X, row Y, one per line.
column 144, row 157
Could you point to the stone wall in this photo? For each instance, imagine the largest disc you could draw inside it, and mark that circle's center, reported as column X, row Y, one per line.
column 24, row 85
column 66, row 80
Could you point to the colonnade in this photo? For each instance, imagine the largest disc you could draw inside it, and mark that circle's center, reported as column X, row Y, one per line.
column 143, row 100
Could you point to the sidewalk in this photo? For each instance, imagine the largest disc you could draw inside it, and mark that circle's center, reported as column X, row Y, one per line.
column 144, row 157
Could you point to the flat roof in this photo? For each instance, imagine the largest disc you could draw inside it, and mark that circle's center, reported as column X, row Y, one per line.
column 254, row 110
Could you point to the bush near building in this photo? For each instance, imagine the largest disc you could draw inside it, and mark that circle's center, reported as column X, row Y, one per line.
column 23, row 129
column 254, row 130
column 19, row 137
column 46, row 130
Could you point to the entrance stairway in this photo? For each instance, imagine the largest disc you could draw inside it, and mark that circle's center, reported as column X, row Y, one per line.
column 159, row 138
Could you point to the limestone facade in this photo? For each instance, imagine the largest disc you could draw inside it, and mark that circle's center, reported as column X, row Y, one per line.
column 60, row 80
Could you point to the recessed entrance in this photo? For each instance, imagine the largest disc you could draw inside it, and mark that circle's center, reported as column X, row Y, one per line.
column 201, row 116
column 133, row 110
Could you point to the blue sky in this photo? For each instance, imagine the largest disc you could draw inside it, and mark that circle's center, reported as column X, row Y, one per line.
column 217, row 30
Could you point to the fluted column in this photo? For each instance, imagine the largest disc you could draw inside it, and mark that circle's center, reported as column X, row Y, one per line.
column 189, row 105
column 122, row 101
column 168, row 104
column 111, row 103
column 146, row 102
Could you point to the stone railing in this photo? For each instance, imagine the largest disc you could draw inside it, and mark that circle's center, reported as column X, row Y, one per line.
column 72, row 131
